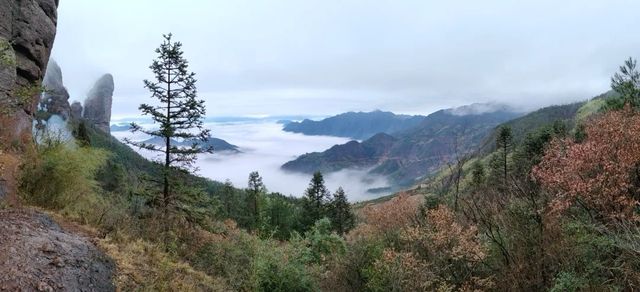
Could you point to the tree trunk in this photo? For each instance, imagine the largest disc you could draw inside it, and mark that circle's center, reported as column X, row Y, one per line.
column 167, row 160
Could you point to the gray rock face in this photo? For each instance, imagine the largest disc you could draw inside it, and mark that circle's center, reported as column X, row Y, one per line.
column 97, row 107
column 76, row 110
column 55, row 100
column 27, row 31
column 29, row 26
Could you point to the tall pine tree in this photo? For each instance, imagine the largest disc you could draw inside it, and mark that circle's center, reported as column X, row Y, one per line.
column 627, row 84
column 255, row 193
column 178, row 113
column 504, row 143
column 316, row 198
column 342, row 218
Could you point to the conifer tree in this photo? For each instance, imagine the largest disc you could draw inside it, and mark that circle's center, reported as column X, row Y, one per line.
column 477, row 173
column 228, row 198
column 627, row 84
column 316, row 198
column 255, row 193
column 342, row 218
column 178, row 113
column 504, row 143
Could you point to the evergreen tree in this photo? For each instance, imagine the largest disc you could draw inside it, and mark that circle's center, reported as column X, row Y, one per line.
column 504, row 143
column 316, row 198
column 280, row 216
column 342, row 218
column 179, row 115
column 255, row 194
column 478, row 175
column 228, row 198
column 82, row 136
column 627, row 84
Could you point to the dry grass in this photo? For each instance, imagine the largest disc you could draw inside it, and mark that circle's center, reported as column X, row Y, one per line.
column 143, row 266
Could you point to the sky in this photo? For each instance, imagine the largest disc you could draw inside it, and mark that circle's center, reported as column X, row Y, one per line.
column 259, row 57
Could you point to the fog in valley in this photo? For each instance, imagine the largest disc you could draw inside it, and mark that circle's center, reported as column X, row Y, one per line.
column 264, row 148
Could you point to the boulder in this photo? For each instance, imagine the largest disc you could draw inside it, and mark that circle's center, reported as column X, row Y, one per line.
column 97, row 106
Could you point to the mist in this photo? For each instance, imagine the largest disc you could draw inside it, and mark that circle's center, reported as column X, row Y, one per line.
column 264, row 148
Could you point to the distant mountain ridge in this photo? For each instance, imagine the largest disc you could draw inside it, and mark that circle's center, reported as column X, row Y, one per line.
column 356, row 125
column 413, row 153
column 217, row 144
column 353, row 154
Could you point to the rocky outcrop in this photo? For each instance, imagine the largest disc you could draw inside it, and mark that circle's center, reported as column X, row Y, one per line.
column 27, row 31
column 36, row 254
column 76, row 110
column 97, row 107
column 55, row 100
column 29, row 26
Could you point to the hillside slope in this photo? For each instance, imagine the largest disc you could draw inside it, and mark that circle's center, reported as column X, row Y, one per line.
column 410, row 154
column 569, row 114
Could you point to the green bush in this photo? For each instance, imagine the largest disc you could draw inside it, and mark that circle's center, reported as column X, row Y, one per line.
column 322, row 243
column 61, row 177
column 282, row 267
column 566, row 281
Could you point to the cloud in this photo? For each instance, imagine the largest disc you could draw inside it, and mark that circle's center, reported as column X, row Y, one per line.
column 265, row 147
column 326, row 57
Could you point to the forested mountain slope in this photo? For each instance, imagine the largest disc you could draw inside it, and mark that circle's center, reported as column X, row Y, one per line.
column 412, row 153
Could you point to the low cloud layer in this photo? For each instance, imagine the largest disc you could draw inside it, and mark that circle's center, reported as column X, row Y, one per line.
column 326, row 57
column 265, row 147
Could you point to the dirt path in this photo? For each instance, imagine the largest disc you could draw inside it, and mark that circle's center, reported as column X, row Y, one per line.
column 37, row 255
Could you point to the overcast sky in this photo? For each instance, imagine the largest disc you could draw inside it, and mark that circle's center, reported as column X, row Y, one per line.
column 326, row 57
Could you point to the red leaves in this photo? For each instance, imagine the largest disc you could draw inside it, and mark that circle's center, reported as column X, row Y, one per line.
column 597, row 173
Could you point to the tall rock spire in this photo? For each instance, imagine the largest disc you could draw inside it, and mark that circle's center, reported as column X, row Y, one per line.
column 97, row 106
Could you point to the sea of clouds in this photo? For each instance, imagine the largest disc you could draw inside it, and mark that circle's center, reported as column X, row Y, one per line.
column 264, row 148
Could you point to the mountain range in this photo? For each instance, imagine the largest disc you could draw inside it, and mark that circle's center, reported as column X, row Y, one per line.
column 410, row 154
column 356, row 125
column 217, row 144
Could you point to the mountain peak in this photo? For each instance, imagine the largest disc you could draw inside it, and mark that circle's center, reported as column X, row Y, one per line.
column 480, row 108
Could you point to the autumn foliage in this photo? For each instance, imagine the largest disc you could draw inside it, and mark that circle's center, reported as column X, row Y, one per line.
column 601, row 173
column 441, row 254
column 388, row 217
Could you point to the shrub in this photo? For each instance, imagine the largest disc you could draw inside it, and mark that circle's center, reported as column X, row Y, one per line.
column 602, row 173
column 321, row 243
column 282, row 267
column 440, row 255
column 61, row 177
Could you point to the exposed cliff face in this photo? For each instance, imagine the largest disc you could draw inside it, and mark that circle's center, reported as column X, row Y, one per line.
column 27, row 31
column 97, row 107
column 29, row 26
column 55, row 100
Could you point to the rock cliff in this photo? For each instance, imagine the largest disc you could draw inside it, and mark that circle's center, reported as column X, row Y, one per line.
column 27, row 31
column 97, row 107
column 55, row 100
